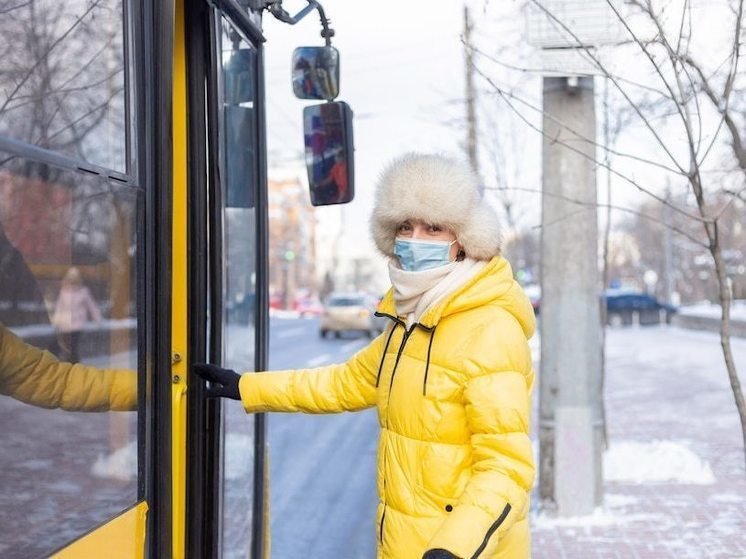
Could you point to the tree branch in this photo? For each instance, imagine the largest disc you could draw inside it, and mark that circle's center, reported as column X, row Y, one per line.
column 609, row 206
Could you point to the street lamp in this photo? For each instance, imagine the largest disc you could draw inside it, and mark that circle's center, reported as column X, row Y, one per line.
column 566, row 30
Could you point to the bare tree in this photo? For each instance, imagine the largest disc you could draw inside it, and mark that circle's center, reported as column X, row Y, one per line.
column 686, row 117
column 62, row 78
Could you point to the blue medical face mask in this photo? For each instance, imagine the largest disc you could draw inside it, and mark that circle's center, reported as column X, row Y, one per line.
column 416, row 256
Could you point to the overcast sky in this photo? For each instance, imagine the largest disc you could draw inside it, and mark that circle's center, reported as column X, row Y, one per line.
column 402, row 72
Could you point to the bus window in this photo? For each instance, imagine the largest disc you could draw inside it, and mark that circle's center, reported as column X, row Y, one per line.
column 68, row 348
column 238, row 147
column 62, row 78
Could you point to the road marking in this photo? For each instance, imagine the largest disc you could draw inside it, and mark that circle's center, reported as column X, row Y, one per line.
column 319, row 360
column 349, row 346
column 291, row 332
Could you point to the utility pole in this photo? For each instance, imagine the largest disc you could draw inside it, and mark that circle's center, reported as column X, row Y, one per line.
column 570, row 404
column 471, row 116
column 571, row 432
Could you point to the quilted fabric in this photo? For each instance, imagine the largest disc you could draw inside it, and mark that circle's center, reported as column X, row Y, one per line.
column 455, row 462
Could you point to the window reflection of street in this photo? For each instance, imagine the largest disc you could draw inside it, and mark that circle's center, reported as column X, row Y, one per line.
column 237, row 146
column 69, row 469
column 62, row 68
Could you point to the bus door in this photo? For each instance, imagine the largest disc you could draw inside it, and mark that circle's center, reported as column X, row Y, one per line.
column 227, row 236
column 72, row 318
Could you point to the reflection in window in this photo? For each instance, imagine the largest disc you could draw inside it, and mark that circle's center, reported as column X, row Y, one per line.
column 238, row 144
column 67, row 348
column 62, row 77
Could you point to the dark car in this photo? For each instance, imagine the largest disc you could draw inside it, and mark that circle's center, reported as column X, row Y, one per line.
column 625, row 308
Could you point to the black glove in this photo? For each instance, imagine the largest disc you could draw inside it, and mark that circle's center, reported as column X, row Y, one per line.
column 438, row 554
column 223, row 382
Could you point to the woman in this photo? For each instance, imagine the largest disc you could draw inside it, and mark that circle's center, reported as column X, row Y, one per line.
column 451, row 376
column 71, row 311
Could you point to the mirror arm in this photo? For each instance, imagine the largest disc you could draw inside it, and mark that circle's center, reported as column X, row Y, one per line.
column 276, row 10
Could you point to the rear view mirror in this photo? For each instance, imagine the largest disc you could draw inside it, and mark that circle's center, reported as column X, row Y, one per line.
column 327, row 131
column 316, row 73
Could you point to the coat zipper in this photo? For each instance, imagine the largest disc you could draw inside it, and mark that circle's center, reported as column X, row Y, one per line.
column 495, row 526
column 396, row 365
column 388, row 400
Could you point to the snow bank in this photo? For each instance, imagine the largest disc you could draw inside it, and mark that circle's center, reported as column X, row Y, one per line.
column 657, row 461
column 120, row 464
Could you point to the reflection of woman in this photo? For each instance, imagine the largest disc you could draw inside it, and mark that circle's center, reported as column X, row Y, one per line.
column 36, row 377
column 71, row 311
column 451, row 376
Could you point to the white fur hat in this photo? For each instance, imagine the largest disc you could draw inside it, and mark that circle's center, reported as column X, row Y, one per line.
column 435, row 189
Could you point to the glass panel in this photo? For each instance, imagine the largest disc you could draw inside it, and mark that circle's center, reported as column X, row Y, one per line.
column 238, row 144
column 62, row 84
column 68, row 335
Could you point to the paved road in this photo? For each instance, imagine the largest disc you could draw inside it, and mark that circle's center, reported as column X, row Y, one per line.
column 323, row 493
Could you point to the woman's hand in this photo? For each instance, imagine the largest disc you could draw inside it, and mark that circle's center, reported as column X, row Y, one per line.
column 223, row 382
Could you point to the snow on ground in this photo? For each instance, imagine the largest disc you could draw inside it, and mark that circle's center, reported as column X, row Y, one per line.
column 120, row 464
column 737, row 310
column 656, row 461
column 674, row 484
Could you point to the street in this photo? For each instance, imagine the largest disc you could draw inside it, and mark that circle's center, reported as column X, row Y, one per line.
column 322, row 468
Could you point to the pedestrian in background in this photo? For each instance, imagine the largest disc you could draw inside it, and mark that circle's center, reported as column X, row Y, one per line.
column 451, row 376
column 72, row 310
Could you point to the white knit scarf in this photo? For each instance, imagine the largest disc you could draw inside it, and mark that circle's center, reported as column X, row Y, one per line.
column 415, row 292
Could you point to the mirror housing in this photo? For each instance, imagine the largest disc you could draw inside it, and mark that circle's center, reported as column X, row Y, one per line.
column 327, row 132
column 316, row 73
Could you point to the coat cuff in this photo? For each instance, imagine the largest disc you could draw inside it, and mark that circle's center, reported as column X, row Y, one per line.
column 251, row 391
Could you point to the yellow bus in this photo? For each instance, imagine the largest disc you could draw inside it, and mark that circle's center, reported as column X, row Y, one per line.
column 133, row 241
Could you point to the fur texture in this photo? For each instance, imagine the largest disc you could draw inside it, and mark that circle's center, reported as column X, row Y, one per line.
column 435, row 189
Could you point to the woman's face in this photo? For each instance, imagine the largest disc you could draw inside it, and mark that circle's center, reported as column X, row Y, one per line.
column 422, row 231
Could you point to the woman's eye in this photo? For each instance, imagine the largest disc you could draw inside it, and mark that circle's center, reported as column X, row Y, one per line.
column 435, row 229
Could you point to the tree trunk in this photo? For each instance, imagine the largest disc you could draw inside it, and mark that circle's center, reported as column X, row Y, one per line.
column 724, row 296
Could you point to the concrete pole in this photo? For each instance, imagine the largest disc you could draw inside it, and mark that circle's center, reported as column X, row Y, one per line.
column 471, row 113
column 570, row 390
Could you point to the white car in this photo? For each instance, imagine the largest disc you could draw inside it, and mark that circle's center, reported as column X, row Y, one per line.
column 349, row 312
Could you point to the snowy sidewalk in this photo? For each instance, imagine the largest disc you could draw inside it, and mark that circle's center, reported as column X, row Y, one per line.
column 674, row 479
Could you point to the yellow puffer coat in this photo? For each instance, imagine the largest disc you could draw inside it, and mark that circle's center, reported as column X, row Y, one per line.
column 36, row 377
column 455, row 463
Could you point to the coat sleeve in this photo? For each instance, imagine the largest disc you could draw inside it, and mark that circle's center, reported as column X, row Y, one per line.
column 36, row 377
column 498, row 407
column 348, row 386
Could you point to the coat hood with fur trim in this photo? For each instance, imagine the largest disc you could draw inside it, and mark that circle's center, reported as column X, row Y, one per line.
column 435, row 189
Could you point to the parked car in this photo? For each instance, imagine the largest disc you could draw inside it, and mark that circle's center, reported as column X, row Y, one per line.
column 623, row 307
column 308, row 306
column 349, row 312
column 630, row 307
